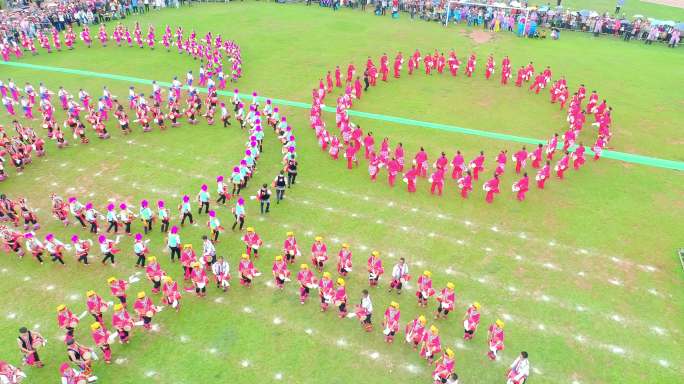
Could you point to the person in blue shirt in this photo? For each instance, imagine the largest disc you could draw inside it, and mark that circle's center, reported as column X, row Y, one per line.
column 203, row 198
column 239, row 212
column 185, row 210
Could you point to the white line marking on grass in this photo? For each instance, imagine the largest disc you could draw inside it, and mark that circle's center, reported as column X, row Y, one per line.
column 419, row 263
column 440, row 216
column 488, row 249
column 653, row 292
column 551, row 266
column 379, row 221
column 449, row 271
column 581, row 274
column 4, row 270
column 583, row 251
column 120, row 361
column 615, row 349
column 552, row 243
column 329, row 209
column 648, row 268
column 544, row 298
column 541, row 327
column 467, row 223
column 460, row 242
column 537, row 371
column 247, row 310
column 150, row 373
column 341, row 342
column 658, row 330
column 277, row 320
column 460, row 345
column 617, row 318
column 213, row 351
column 278, row 376
column 54, row 184
column 522, row 235
column 512, row 289
column 580, row 339
column 50, row 287
column 615, row 282
column 412, row 368
column 390, row 204
column 404, row 228
column 507, row 317
column 664, row 363
column 309, row 331
column 414, row 209
column 11, row 316
column 580, row 308
column 27, row 278
column 245, row 363
column 270, row 284
column 184, row 339
column 494, row 229
column 363, row 247
column 481, row 280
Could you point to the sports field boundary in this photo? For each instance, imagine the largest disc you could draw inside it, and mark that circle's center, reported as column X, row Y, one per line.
column 614, row 155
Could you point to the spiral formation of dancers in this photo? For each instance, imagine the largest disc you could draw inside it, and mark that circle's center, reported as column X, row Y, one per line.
column 350, row 138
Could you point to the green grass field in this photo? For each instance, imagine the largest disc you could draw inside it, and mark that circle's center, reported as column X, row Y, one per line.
column 584, row 273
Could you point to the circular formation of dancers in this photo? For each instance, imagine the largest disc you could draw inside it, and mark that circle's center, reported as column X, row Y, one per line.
column 350, row 138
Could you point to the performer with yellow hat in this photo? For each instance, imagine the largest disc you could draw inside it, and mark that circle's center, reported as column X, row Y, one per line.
column 471, row 320
column 290, row 248
column 100, row 336
column 122, row 322
column 66, row 320
column 187, row 258
column 95, row 305
column 246, row 270
column 375, row 269
column 280, row 272
column 307, row 281
column 390, row 322
column 118, row 289
column 154, row 273
column 171, row 296
column 432, row 345
column 319, row 253
column 444, row 367
column 199, row 278
column 495, row 339
column 252, row 242
column 326, row 291
column 341, row 297
column 424, row 290
column 145, row 309
column 415, row 331
column 344, row 260
column 446, row 301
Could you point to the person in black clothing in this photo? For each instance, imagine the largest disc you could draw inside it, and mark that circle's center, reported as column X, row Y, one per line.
column 279, row 184
column 264, row 196
column 27, row 341
column 365, row 80
column 291, row 172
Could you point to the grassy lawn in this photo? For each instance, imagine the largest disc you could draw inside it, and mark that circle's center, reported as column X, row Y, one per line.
column 584, row 272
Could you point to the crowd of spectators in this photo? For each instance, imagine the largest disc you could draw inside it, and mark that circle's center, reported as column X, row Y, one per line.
column 31, row 16
column 542, row 18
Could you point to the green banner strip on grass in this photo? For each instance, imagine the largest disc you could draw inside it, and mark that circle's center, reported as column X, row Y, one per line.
column 626, row 157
